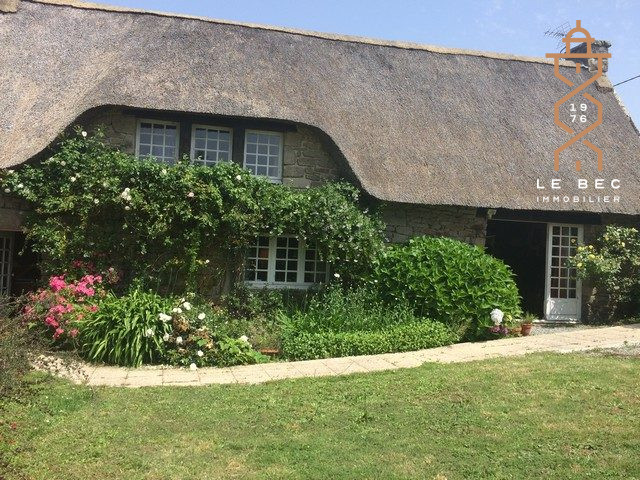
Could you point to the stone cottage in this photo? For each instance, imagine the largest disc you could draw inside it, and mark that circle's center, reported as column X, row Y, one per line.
column 452, row 142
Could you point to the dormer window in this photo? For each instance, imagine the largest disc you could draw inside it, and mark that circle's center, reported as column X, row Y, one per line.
column 158, row 139
column 210, row 145
column 263, row 154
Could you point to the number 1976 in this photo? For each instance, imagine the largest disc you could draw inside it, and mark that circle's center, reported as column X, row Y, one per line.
column 574, row 116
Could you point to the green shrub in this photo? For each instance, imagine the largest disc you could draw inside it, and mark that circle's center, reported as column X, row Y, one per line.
column 194, row 335
column 298, row 345
column 355, row 321
column 345, row 309
column 612, row 263
column 446, row 280
column 126, row 330
column 237, row 351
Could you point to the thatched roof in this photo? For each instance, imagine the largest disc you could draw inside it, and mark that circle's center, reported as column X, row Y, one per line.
column 416, row 124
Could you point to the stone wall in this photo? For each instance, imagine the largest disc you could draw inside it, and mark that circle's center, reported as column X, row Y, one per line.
column 405, row 221
column 12, row 212
column 119, row 128
column 306, row 161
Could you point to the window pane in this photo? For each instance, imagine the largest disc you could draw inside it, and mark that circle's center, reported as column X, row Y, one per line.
column 159, row 140
column 256, row 261
column 207, row 140
column 263, row 151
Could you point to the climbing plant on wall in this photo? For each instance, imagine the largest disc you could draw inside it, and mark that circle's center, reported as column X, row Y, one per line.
column 159, row 223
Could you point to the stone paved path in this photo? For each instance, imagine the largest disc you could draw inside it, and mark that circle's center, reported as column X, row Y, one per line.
column 565, row 341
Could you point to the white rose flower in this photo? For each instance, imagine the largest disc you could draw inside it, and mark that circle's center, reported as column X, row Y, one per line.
column 7, row 190
column 148, row 332
column 193, row 366
column 10, row 171
column 96, row 201
column 337, row 275
column 63, row 163
column 164, row 317
column 201, row 316
column 127, row 208
column 496, row 316
column 244, row 338
column 200, row 353
column 84, row 134
column 178, row 340
column 186, row 306
column 177, row 310
column 191, row 194
column 238, row 177
column 73, row 179
column 166, row 337
column 20, row 185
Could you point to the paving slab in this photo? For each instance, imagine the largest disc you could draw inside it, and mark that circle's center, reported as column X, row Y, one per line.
column 564, row 342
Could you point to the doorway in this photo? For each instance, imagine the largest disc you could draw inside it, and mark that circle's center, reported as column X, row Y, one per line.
column 522, row 246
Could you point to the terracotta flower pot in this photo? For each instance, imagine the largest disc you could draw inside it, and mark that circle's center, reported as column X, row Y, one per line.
column 272, row 352
column 515, row 330
column 526, row 329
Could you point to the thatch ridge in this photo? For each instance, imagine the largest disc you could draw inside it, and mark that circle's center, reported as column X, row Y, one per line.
column 307, row 33
column 416, row 125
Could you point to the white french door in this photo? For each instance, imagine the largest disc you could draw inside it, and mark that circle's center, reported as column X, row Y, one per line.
column 563, row 290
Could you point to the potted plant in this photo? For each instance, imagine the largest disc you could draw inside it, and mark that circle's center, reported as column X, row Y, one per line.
column 527, row 323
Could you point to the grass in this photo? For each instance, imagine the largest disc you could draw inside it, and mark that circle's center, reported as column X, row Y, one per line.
column 540, row 416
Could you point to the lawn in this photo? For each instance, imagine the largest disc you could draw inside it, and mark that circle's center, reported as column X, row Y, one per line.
column 540, row 416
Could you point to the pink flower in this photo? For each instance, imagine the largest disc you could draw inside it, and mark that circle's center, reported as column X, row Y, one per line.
column 57, row 283
column 52, row 322
column 93, row 308
column 58, row 332
column 61, row 309
column 83, row 289
column 73, row 333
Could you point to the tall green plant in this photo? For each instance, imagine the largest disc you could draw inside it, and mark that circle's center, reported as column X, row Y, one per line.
column 126, row 330
column 446, row 280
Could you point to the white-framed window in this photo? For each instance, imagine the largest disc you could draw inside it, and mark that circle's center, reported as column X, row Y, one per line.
column 263, row 153
column 284, row 261
column 210, row 145
column 158, row 139
column 6, row 260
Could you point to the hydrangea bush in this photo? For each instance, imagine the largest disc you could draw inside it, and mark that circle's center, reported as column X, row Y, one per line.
column 195, row 338
column 178, row 227
column 447, row 280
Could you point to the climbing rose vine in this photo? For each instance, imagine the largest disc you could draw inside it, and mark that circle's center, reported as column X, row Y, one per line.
column 181, row 227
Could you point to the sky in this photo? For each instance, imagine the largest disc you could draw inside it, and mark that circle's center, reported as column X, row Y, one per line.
column 516, row 27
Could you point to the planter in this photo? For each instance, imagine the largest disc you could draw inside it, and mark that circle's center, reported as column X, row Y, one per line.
column 526, row 329
column 515, row 330
column 271, row 352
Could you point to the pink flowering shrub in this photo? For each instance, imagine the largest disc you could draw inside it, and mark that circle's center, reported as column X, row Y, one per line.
column 61, row 306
